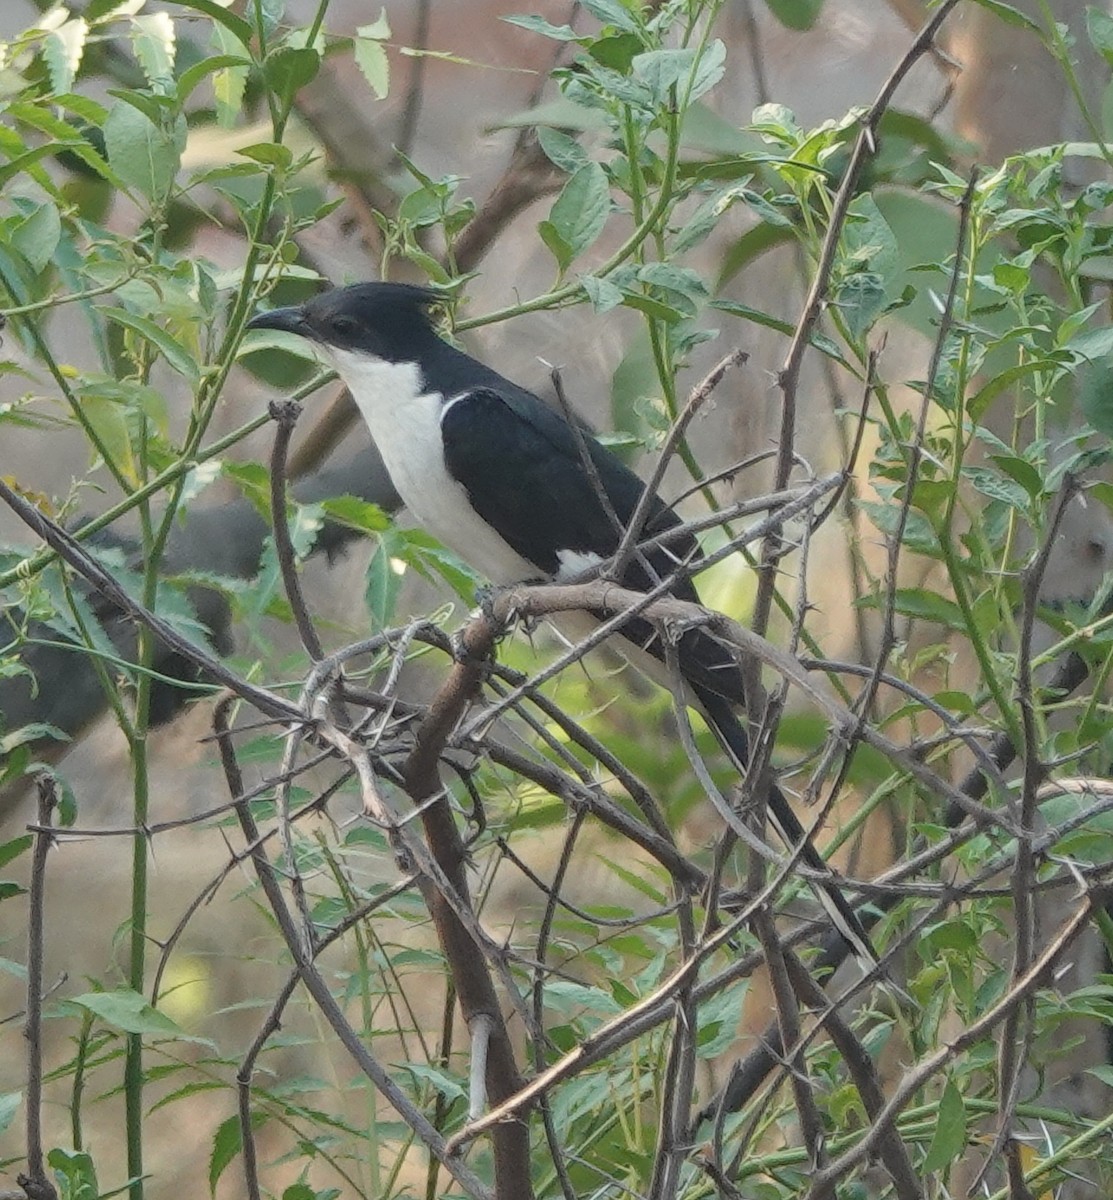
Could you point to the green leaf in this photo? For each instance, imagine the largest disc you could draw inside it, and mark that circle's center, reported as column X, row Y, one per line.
column 616, row 52
column 559, row 33
column 227, row 1143
column 153, row 40
column 1022, row 471
column 272, row 153
column 868, row 240
column 990, row 484
column 439, row 1081
column 76, row 1172
column 144, row 154
column 1011, row 16
column 1095, row 394
column 795, row 14
column 224, row 17
column 603, row 294
column 690, row 72
column 612, row 12
column 578, row 214
column 36, row 236
column 683, row 286
column 33, row 732
column 62, row 52
column 370, row 55
column 169, row 347
column 356, row 514
column 190, row 78
column 129, row 1012
column 288, row 69
column 562, row 151
column 384, row 582
column 230, row 82
column 948, row 1140
column 14, row 848
column 9, row 1106
column 928, row 606
column 861, row 299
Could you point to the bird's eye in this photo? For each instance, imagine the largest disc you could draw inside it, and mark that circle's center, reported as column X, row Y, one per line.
column 344, row 325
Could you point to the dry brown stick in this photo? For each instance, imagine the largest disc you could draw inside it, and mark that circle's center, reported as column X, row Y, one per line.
column 787, row 1014
column 285, row 415
column 471, row 978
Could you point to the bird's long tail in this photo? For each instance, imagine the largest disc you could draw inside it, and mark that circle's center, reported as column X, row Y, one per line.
column 728, row 729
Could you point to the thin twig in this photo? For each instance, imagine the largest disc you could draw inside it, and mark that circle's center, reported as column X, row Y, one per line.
column 36, row 1183
column 285, row 415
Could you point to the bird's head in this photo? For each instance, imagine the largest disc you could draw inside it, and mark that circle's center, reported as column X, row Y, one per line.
column 376, row 322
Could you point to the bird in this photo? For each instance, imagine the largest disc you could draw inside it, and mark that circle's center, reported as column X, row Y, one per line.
column 500, row 478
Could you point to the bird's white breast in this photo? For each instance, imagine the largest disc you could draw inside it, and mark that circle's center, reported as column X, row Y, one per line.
column 405, row 423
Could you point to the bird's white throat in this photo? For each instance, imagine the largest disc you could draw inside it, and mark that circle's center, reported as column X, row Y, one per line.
column 405, row 423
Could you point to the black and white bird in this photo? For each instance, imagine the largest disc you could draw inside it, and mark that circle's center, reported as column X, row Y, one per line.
column 499, row 477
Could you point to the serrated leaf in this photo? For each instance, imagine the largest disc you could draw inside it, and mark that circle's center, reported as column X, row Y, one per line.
column 559, row 33
column 200, row 71
column 227, row 1143
column 691, row 72
column 225, row 18
column 129, row 1012
column 62, row 51
column 370, row 56
column 611, row 12
column 357, row 513
column 230, row 82
column 928, row 606
column 948, row 1139
column 176, row 355
column 153, row 40
column 578, row 214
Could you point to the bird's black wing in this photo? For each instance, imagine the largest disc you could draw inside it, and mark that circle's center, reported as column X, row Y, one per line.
column 523, row 469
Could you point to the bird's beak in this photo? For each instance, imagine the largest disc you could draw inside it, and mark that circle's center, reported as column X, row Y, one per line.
column 288, row 320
